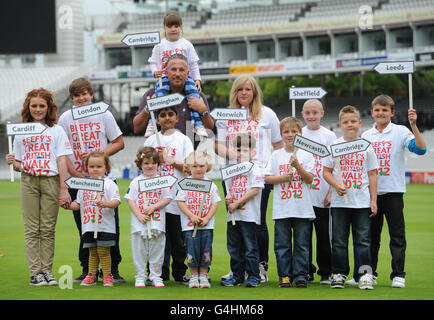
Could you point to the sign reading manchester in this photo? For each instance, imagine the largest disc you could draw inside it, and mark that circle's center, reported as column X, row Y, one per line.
column 156, row 183
column 170, row 100
column 236, row 169
column 341, row 149
column 85, row 184
column 189, row 184
column 142, row 39
column 24, row 128
column 229, row 114
column 395, row 67
column 311, row 146
column 89, row 110
column 306, row 93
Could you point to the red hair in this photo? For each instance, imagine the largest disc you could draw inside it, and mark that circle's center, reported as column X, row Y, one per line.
column 51, row 117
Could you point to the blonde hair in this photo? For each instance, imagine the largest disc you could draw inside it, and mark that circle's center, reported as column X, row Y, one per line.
column 347, row 110
column 196, row 157
column 314, row 102
column 291, row 122
column 256, row 108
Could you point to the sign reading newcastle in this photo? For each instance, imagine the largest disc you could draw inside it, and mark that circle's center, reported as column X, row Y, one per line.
column 156, row 183
column 89, row 110
column 169, row 100
column 85, row 184
column 306, row 93
column 311, row 146
column 142, row 39
column 24, row 128
column 229, row 114
column 349, row 147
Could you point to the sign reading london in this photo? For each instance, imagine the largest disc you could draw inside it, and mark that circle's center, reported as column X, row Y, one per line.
column 85, row 184
column 188, row 184
column 306, row 93
column 395, row 67
column 142, row 39
column 311, row 146
column 24, row 128
column 236, row 169
column 167, row 101
column 156, row 183
column 229, row 114
column 344, row 148
column 89, row 110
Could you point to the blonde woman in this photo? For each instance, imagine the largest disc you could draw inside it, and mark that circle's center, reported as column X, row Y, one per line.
column 262, row 123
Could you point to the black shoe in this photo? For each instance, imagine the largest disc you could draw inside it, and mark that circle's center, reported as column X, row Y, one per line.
column 38, row 280
column 301, row 284
column 117, row 278
column 80, row 278
column 184, row 280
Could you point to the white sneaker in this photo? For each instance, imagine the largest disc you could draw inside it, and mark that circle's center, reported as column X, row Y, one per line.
column 366, row 282
column 201, row 131
column 263, row 273
column 230, row 275
column 352, row 282
column 140, row 283
column 149, row 130
column 194, row 282
column 338, row 281
column 158, row 283
column 203, row 281
column 398, row 282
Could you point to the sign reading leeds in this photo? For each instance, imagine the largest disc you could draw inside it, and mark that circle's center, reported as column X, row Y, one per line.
column 311, row 146
column 165, row 102
column 142, row 39
column 156, row 183
column 306, row 93
column 25, row 128
column 89, row 110
column 349, row 147
column 197, row 185
column 394, row 67
column 236, row 169
column 229, row 114
column 85, row 184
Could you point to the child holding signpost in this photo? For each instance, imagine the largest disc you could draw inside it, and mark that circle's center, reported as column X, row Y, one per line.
column 389, row 142
column 148, row 219
column 351, row 171
column 174, row 43
column 198, row 208
column 243, row 200
column 98, row 218
column 291, row 171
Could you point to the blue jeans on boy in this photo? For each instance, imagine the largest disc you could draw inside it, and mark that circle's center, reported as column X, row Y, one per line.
column 359, row 221
column 190, row 90
column 243, row 249
column 293, row 264
column 199, row 248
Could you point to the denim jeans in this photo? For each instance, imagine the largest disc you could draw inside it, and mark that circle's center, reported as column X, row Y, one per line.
column 359, row 221
column 293, row 264
column 199, row 248
column 243, row 249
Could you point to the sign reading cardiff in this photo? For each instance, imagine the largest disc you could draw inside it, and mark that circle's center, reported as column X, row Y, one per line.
column 156, row 183
column 394, row 67
column 24, row 128
column 229, row 114
column 89, row 110
column 170, row 100
column 311, row 146
column 85, row 184
column 189, row 184
column 349, row 147
column 142, row 39
column 306, row 93
column 236, row 169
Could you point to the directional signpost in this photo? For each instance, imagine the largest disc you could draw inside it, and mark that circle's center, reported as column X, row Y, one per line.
column 397, row 67
column 142, row 39
column 229, row 114
column 196, row 185
column 311, row 146
column 233, row 171
column 152, row 184
column 25, row 128
column 344, row 148
column 304, row 93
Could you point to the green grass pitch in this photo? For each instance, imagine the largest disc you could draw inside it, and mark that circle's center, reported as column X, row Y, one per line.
column 14, row 282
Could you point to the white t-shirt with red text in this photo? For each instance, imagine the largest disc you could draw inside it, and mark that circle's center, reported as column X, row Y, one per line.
column 147, row 198
column 389, row 146
column 319, row 187
column 239, row 186
column 38, row 153
column 178, row 146
column 193, row 200
column 96, row 132
column 354, row 168
column 266, row 130
column 90, row 212
column 291, row 199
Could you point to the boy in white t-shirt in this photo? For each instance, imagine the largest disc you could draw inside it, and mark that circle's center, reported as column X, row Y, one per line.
column 389, row 142
column 148, row 207
column 320, row 191
column 291, row 173
column 243, row 200
column 175, row 147
column 359, row 177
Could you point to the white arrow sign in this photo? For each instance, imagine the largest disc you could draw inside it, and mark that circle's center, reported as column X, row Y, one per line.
column 306, row 93
column 24, row 128
column 229, row 114
column 236, row 169
column 85, row 184
column 142, row 39
column 189, row 184
column 349, row 147
column 156, row 183
column 311, row 146
column 89, row 110
column 170, row 100
column 394, row 67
